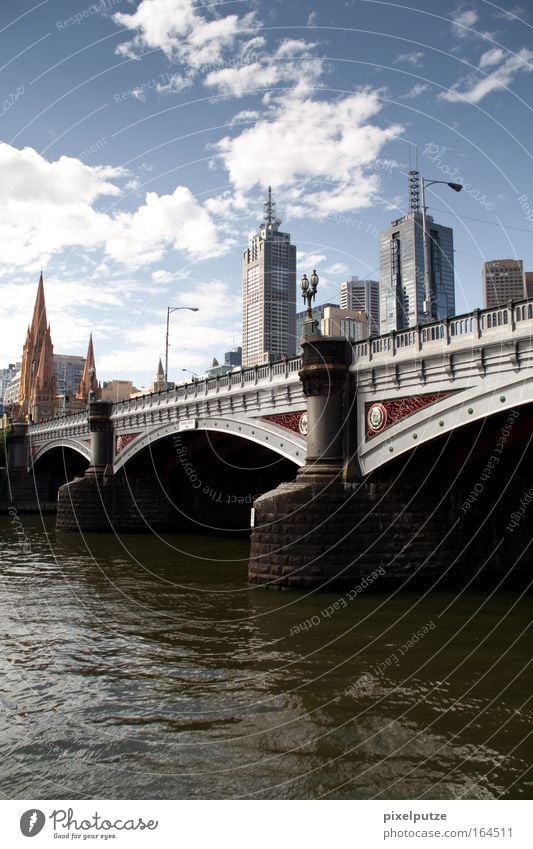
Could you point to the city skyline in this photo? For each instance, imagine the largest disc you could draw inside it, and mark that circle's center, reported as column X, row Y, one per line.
column 139, row 140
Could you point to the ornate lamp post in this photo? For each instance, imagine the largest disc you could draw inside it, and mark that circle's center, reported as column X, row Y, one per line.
column 169, row 310
column 309, row 287
column 429, row 295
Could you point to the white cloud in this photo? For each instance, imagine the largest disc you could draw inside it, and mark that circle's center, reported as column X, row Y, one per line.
column 291, row 62
column 491, row 57
column 179, row 29
column 319, row 151
column 463, row 21
column 474, row 88
column 312, row 19
column 415, row 91
column 414, row 58
column 337, row 268
column 516, row 13
column 49, row 206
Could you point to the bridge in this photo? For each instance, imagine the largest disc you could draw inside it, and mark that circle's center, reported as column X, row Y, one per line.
column 345, row 419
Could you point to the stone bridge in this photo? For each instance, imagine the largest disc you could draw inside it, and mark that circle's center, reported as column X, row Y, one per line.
column 410, row 449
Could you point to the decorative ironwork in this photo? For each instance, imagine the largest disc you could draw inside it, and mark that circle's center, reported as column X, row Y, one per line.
column 382, row 415
column 297, row 422
column 122, row 440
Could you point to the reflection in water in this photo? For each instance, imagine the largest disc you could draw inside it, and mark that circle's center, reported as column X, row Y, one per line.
column 145, row 668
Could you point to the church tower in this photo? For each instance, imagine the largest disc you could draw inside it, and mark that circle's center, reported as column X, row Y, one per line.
column 37, row 393
column 88, row 380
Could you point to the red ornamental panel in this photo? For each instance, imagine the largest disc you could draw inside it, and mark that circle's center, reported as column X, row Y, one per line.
column 383, row 414
column 297, row 422
column 123, row 440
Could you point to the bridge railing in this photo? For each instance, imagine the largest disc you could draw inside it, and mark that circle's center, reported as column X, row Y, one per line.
column 489, row 323
column 72, row 422
column 242, row 378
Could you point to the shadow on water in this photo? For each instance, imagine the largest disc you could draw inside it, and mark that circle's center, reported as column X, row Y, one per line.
column 147, row 668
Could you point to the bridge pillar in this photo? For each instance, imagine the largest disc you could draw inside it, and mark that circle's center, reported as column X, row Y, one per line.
column 17, row 447
column 101, row 429
column 293, row 541
column 324, row 374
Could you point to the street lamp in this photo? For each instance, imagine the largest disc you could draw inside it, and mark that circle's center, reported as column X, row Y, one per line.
column 429, row 299
column 309, row 287
column 190, row 372
column 169, row 310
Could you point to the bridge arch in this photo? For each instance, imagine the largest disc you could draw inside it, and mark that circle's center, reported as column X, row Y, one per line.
column 82, row 448
column 279, row 440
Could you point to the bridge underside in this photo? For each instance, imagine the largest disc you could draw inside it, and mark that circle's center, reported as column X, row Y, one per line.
column 454, row 512
column 195, row 480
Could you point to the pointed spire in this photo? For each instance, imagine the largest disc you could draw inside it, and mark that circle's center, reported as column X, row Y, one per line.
column 39, row 320
column 88, row 378
column 160, row 373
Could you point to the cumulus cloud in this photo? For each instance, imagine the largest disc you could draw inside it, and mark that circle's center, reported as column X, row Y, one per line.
column 475, row 87
column 319, row 151
column 291, row 62
column 49, row 206
column 178, row 28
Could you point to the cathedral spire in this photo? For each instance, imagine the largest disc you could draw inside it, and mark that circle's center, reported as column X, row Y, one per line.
column 88, row 378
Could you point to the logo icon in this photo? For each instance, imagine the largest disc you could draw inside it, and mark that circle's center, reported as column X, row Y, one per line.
column 32, row 822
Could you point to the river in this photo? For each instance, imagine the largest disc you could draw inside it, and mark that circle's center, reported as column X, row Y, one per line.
column 143, row 667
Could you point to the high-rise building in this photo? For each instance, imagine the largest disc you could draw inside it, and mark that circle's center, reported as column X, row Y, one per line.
column 352, row 324
column 503, row 281
column 68, row 372
column 317, row 314
column 358, row 294
column 528, row 284
column 269, row 293
column 401, row 269
column 6, row 375
column 233, row 358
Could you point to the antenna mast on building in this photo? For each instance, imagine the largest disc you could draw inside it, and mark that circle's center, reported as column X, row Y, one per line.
column 414, row 191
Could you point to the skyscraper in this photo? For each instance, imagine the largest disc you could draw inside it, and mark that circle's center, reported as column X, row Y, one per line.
column 268, row 293
column 503, row 281
column 363, row 295
column 401, row 269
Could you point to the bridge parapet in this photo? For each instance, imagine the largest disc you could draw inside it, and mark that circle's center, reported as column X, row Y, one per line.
column 504, row 322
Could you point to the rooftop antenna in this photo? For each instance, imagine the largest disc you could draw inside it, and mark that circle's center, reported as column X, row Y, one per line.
column 270, row 207
column 414, row 181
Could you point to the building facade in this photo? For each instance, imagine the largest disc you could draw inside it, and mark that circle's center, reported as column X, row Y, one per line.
column 528, row 284
column 363, row 295
column 269, row 293
column 503, row 281
column 401, row 271
column 352, row 324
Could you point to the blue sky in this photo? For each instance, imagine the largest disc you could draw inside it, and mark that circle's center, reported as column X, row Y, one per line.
column 138, row 139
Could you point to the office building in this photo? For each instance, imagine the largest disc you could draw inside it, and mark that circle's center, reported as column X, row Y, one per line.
column 401, row 269
column 528, row 284
column 352, row 324
column 6, row 375
column 233, row 358
column 363, row 295
column 318, row 315
column 269, row 293
column 503, row 281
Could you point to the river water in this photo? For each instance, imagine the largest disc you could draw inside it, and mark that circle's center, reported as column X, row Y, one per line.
column 139, row 667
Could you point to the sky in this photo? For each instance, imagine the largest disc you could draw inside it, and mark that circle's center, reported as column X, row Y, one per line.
column 138, row 139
